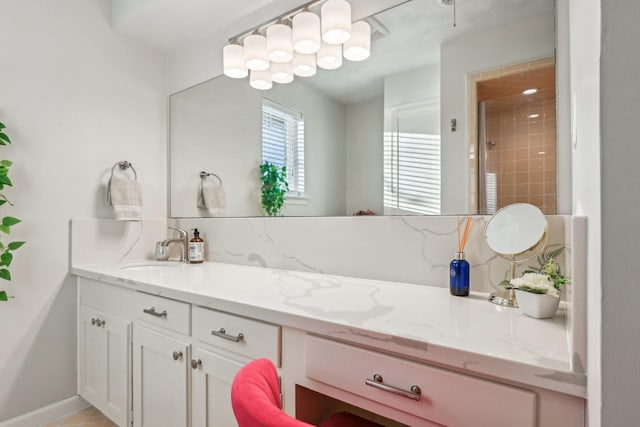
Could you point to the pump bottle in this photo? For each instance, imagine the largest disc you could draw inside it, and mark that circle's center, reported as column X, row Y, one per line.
column 196, row 248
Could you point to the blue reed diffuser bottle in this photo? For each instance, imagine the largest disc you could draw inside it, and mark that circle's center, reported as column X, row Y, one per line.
column 459, row 267
column 459, row 276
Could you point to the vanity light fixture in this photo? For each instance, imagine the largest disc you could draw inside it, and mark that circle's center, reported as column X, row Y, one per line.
column 299, row 39
column 260, row 80
column 282, row 72
column 335, row 16
column 358, row 47
column 233, row 61
column 279, row 43
column 304, row 65
column 330, row 56
column 306, row 32
column 255, row 53
column 529, row 91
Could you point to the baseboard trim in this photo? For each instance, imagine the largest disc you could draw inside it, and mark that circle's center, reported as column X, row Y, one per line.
column 47, row 414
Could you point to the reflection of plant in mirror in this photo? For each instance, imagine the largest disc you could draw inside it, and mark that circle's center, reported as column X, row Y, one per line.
column 274, row 187
column 6, row 257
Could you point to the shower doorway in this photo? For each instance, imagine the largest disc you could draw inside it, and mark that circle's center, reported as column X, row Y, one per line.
column 516, row 138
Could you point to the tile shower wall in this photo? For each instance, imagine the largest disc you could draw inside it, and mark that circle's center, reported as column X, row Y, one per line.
column 521, row 153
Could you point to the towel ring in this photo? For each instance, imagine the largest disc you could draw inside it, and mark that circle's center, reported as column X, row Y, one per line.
column 204, row 175
column 124, row 165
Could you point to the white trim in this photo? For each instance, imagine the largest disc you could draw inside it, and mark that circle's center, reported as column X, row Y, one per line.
column 47, row 414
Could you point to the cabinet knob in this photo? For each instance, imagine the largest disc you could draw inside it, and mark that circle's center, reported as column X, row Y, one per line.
column 195, row 364
column 177, row 355
column 97, row 322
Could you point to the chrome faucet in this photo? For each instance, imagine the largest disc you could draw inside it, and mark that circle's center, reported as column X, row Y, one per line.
column 182, row 240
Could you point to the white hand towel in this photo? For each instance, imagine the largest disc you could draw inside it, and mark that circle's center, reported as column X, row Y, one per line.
column 212, row 197
column 123, row 194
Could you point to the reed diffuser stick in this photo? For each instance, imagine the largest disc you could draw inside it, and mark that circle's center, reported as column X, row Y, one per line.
column 462, row 242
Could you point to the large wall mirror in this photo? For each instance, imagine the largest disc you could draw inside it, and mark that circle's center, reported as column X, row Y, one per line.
column 378, row 136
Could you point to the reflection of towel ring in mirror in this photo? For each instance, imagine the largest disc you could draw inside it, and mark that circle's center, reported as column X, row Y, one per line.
column 124, row 165
column 205, row 175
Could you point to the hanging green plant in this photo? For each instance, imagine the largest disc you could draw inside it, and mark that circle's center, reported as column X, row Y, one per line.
column 6, row 255
column 274, row 187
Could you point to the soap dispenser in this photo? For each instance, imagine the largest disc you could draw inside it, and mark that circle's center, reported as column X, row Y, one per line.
column 196, row 248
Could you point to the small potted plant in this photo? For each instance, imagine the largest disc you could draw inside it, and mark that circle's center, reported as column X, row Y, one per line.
column 539, row 289
column 274, row 187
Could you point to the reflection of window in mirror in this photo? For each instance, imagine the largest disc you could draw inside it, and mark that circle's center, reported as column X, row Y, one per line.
column 412, row 161
column 283, row 142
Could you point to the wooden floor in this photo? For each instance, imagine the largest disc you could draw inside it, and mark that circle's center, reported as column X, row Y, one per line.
column 90, row 417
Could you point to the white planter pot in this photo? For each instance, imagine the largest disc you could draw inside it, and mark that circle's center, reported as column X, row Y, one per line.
column 540, row 306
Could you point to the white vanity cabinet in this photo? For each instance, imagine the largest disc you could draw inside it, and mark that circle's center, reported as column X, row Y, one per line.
column 223, row 343
column 140, row 364
column 160, row 379
column 170, row 360
column 104, row 343
column 437, row 396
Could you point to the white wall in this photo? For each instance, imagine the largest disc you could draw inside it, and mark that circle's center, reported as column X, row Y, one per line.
column 216, row 127
column 364, row 156
column 76, row 98
column 585, row 79
column 497, row 48
column 619, row 154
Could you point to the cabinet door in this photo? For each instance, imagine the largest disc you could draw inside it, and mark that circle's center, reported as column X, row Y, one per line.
column 160, row 380
column 211, row 398
column 104, row 354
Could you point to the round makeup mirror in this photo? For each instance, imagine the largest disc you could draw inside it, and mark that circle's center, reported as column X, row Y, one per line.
column 517, row 233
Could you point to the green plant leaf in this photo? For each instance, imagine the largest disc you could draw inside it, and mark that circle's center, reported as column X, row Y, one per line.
column 5, row 137
column 5, row 274
column 10, row 221
column 5, row 229
column 6, row 163
column 2, row 126
column 3, row 296
column 5, row 180
column 15, row 245
column 6, row 259
column 2, row 202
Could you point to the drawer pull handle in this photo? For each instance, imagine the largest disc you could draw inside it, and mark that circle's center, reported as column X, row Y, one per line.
column 223, row 334
column 97, row 322
column 195, row 364
column 177, row 355
column 414, row 393
column 152, row 311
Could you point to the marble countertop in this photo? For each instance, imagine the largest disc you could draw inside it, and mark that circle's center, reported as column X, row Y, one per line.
column 418, row 322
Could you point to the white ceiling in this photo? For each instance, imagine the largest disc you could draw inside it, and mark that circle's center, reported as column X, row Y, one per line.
column 412, row 35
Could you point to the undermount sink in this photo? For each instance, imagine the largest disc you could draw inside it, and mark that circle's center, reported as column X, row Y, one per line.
column 150, row 265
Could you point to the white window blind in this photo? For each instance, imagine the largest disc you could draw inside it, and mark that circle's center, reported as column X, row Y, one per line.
column 283, row 142
column 412, row 173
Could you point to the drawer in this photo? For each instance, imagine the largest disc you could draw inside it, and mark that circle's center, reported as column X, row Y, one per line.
column 447, row 398
column 164, row 312
column 247, row 337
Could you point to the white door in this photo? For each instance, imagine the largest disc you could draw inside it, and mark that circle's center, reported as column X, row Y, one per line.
column 104, row 363
column 160, row 380
column 211, row 398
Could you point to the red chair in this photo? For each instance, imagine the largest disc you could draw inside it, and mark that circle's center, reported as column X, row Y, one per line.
column 255, row 397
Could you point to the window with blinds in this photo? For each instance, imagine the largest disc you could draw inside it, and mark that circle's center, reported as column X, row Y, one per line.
column 283, row 142
column 412, row 173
